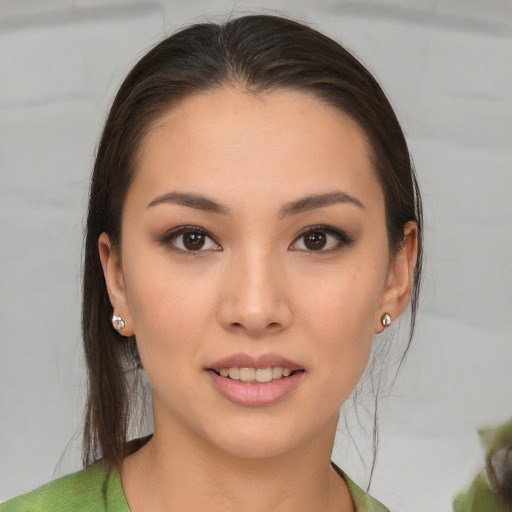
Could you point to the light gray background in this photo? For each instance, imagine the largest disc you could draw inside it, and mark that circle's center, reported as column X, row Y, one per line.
column 447, row 67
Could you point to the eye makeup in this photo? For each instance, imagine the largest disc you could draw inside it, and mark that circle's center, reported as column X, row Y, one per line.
column 189, row 240
column 319, row 238
column 322, row 238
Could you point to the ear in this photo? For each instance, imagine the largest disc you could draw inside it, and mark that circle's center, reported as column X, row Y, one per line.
column 114, row 279
column 400, row 277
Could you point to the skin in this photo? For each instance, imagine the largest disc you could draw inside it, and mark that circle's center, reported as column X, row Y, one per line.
column 254, row 288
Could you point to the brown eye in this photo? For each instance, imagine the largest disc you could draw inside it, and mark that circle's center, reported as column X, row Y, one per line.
column 315, row 241
column 189, row 239
column 321, row 239
column 193, row 241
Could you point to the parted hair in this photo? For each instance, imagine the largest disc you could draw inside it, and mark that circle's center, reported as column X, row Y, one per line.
column 256, row 53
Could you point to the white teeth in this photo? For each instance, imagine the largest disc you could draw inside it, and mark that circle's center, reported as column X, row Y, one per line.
column 256, row 374
column 264, row 374
column 277, row 372
column 247, row 374
column 234, row 373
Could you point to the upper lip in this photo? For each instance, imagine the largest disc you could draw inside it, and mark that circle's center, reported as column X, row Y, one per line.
column 247, row 361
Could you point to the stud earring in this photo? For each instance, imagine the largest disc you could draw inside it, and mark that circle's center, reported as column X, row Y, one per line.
column 117, row 322
column 385, row 320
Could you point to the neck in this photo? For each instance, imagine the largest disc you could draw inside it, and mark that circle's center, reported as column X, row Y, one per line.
column 177, row 470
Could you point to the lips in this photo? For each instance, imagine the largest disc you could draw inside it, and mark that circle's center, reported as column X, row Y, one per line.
column 263, row 361
column 249, row 381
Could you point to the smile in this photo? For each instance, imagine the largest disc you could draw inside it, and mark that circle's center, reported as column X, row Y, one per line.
column 255, row 381
column 259, row 375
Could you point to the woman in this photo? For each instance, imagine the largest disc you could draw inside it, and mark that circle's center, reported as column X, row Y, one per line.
column 254, row 221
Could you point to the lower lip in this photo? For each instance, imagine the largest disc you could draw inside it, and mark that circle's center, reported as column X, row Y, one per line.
column 255, row 394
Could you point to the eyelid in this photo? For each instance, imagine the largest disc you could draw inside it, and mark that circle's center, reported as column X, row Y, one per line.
column 339, row 234
column 173, row 233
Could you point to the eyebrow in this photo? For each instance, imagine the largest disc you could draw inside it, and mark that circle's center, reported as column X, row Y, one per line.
column 318, row 201
column 313, row 202
column 195, row 201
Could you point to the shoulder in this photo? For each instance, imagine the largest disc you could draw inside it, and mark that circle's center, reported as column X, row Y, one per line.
column 362, row 500
column 91, row 489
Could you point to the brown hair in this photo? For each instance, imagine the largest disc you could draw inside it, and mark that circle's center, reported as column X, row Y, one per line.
column 258, row 53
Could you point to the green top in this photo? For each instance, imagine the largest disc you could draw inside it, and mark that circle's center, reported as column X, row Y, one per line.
column 93, row 490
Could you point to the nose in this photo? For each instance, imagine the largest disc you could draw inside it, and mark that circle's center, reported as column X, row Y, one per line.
column 254, row 298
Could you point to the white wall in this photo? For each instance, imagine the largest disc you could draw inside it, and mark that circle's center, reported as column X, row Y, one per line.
column 446, row 65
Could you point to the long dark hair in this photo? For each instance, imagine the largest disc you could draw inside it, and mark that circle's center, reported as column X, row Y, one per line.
column 256, row 53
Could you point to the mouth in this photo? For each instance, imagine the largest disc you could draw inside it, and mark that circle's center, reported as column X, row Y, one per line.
column 256, row 375
column 255, row 381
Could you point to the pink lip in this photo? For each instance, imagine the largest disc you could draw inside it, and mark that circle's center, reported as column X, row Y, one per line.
column 255, row 394
column 262, row 361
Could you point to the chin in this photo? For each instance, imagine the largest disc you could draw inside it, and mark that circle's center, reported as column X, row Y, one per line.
column 259, row 440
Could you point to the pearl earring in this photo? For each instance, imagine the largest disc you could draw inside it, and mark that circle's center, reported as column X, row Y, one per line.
column 385, row 320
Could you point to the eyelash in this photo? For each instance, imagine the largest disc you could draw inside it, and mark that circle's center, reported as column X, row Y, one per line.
column 173, row 234
column 342, row 238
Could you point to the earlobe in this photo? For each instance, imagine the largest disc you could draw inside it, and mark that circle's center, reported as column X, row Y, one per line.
column 400, row 277
column 114, row 280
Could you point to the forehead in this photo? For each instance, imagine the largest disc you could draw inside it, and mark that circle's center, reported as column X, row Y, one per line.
column 275, row 144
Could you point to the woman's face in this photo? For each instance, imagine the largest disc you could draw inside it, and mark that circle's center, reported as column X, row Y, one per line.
column 254, row 267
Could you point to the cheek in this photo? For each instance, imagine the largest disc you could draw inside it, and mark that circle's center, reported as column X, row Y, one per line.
column 165, row 310
column 341, row 318
column 346, row 301
column 344, row 337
